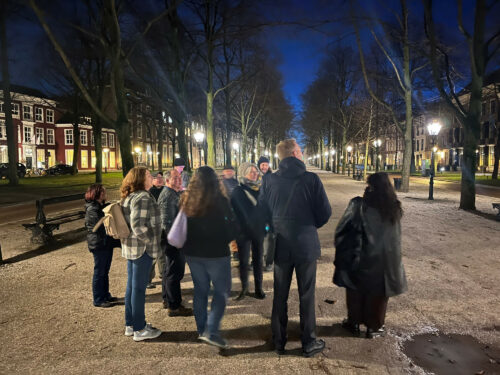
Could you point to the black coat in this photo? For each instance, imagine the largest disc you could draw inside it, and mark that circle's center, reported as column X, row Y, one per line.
column 309, row 209
column 98, row 240
column 168, row 201
column 156, row 191
column 368, row 258
column 251, row 219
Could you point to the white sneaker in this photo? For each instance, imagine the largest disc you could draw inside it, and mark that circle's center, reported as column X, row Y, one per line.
column 149, row 332
column 129, row 331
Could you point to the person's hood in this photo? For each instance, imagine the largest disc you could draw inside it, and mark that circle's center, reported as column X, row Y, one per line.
column 291, row 167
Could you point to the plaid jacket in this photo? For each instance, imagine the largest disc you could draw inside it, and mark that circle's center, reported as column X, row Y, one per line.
column 143, row 217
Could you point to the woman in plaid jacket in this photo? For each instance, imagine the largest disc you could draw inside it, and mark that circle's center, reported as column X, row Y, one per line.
column 140, row 248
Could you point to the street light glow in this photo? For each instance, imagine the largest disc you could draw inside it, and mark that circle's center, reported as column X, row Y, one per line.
column 199, row 136
column 137, row 150
column 377, row 143
column 236, row 146
column 326, row 153
column 332, row 152
column 434, row 149
column 433, row 128
column 276, row 155
column 349, row 148
column 266, row 153
column 105, row 149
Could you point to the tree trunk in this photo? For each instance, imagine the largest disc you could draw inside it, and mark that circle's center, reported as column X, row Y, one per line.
column 76, row 136
column 210, row 124
column 97, row 128
column 9, row 125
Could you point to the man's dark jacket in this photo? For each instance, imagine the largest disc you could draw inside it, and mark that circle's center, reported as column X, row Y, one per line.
column 297, row 238
column 168, row 201
column 156, row 191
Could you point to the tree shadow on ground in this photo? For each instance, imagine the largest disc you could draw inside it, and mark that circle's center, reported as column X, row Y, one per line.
column 60, row 240
column 485, row 215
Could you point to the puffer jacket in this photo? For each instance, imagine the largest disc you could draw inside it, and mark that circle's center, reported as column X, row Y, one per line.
column 168, row 201
column 93, row 213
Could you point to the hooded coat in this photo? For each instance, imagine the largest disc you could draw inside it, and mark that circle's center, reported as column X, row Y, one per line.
column 295, row 226
column 376, row 267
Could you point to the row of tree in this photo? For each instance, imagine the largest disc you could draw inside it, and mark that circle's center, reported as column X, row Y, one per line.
column 374, row 84
column 202, row 59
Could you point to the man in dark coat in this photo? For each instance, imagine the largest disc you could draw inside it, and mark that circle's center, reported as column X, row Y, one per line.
column 298, row 205
column 268, row 243
column 228, row 179
column 175, row 264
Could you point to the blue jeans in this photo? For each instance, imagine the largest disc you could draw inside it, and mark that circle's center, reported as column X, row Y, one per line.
column 135, row 295
column 100, row 279
column 204, row 271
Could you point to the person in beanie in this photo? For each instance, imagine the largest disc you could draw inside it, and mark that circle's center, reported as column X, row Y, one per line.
column 296, row 202
column 244, row 200
column 229, row 180
column 179, row 165
column 263, row 165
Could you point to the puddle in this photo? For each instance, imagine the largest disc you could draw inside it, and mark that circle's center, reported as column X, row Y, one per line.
column 452, row 355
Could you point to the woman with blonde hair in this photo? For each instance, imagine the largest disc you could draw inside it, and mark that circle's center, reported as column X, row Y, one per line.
column 140, row 248
column 210, row 228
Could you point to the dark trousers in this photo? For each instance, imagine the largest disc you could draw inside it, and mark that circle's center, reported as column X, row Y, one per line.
column 269, row 243
column 173, row 272
column 100, row 280
column 366, row 309
column 306, row 282
column 257, row 257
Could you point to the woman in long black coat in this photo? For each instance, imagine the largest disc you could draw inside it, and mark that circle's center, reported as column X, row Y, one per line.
column 99, row 244
column 368, row 255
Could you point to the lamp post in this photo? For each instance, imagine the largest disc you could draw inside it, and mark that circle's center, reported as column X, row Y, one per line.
column 349, row 149
column 332, row 161
column 199, row 137
column 377, row 144
column 106, row 151
column 433, row 128
column 137, row 150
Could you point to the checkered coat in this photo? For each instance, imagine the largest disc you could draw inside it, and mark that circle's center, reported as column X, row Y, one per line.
column 143, row 217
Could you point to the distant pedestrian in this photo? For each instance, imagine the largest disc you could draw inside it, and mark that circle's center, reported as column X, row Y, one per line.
column 210, row 228
column 244, row 200
column 368, row 255
column 298, row 206
column 156, row 189
column 229, row 179
column 173, row 271
column 99, row 244
column 143, row 217
column 179, row 165
column 269, row 239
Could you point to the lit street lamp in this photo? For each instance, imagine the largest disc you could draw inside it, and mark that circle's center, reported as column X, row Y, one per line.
column 106, row 151
column 236, row 148
column 433, row 128
column 138, row 151
column 377, row 144
column 349, row 149
column 199, row 137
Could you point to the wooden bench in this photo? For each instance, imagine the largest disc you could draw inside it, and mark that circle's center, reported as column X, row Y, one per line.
column 496, row 206
column 42, row 228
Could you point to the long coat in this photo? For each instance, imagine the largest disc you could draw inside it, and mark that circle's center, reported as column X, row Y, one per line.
column 296, row 226
column 376, row 267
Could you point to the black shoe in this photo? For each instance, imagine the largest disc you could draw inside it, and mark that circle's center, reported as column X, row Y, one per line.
column 317, row 346
column 150, row 286
column 165, row 305
column 103, row 304
column 268, row 268
column 279, row 351
column 112, row 299
column 371, row 333
column 242, row 295
column 259, row 294
column 351, row 327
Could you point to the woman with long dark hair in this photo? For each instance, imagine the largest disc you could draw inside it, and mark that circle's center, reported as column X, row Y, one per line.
column 210, row 228
column 368, row 255
column 99, row 244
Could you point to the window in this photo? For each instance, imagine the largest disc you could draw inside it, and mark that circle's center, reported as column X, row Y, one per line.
column 39, row 136
column 139, row 129
column 15, row 109
column 27, row 112
column 50, row 136
column 91, row 138
column 50, row 116
column 104, row 141
column 68, row 137
column 28, row 134
column 84, row 162
column 83, row 138
column 418, row 143
column 111, row 140
column 493, row 107
column 69, row 156
column 3, row 130
column 38, row 114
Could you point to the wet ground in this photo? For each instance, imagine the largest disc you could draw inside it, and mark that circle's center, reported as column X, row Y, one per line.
column 452, row 354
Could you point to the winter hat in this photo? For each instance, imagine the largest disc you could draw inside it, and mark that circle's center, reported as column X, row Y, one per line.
column 262, row 159
column 178, row 162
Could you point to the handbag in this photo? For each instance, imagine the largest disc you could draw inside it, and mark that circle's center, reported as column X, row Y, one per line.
column 178, row 232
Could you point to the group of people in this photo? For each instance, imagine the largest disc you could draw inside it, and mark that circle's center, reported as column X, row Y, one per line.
column 272, row 216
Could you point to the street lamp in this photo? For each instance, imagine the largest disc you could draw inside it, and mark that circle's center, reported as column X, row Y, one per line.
column 236, row 147
column 349, row 149
column 433, row 128
column 137, row 150
column 199, row 137
column 377, row 144
column 106, row 151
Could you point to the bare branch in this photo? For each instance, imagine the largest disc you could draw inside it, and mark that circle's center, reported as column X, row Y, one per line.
column 461, row 22
column 390, row 60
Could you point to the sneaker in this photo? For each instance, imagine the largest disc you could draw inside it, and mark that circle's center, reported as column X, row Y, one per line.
column 147, row 333
column 181, row 311
column 372, row 333
column 129, row 331
column 150, row 286
column 259, row 294
column 214, row 340
column 315, row 347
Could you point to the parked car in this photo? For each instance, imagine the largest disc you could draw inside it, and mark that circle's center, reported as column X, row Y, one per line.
column 4, row 170
column 60, row 169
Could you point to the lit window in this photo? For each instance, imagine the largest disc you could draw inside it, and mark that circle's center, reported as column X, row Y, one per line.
column 68, row 136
